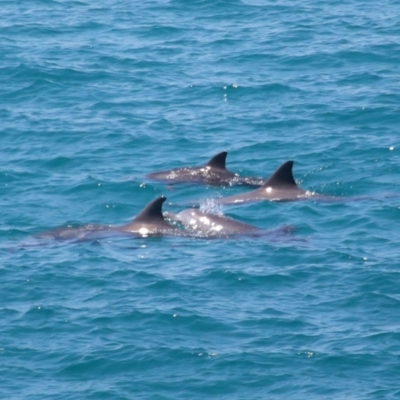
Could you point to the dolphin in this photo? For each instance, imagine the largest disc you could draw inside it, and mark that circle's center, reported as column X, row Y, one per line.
column 214, row 173
column 149, row 222
column 202, row 224
column 280, row 186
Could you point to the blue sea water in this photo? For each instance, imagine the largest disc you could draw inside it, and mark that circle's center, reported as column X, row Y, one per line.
column 95, row 96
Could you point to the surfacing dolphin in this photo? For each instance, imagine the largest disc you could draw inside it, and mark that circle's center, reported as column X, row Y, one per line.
column 280, row 186
column 208, row 225
column 149, row 222
column 214, row 173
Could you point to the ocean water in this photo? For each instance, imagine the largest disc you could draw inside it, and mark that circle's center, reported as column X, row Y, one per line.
column 95, row 96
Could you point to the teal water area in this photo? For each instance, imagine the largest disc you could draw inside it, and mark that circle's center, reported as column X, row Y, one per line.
column 95, row 96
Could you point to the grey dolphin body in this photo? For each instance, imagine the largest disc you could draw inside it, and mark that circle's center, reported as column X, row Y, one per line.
column 214, row 172
column 149, row 222
column 208, row 225
column 280, row 186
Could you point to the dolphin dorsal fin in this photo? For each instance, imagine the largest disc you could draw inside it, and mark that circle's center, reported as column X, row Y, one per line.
column 283, row 176
column 218, row 161
column 152, row 212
